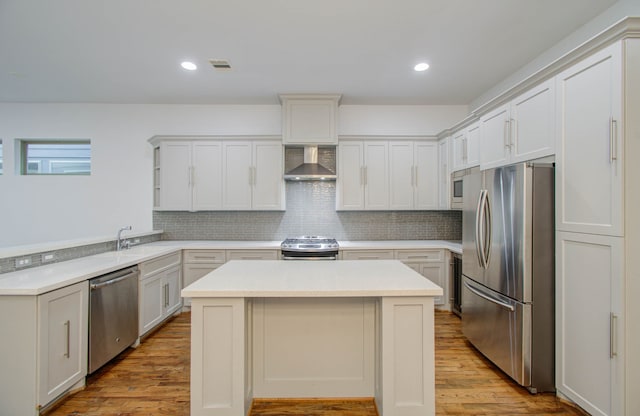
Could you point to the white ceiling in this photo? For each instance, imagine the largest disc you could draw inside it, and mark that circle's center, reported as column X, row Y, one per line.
column 129, row 51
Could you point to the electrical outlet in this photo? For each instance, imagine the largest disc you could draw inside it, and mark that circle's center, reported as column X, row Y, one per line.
column 48, row 257
column 23, row 262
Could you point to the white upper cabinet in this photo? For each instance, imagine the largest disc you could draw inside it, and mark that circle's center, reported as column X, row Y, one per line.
column 309, row 118
column 401, row 175
column 252, row 175
column 189, row 175
column 444, row 173
column 458, row 149
column 376, row 175
column 532, row 123
column 268, row 186
column 589, row 160
column 209, row 175
column 350, row 183
column 175, row 176
column 363, row 176
column 413, row 170
column 237, row 170
column 466, row 147
column 472, row 142
column 520, row 130
column 495, row 138
column 206, row 175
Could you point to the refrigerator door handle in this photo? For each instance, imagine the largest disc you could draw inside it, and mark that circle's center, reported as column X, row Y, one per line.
column 478, row 233
column 490, row 299
column 488, row 225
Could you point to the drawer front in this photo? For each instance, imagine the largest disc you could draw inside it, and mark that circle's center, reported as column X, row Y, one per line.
column 253, row 255
column 367, row 255
column 161, row 263
column 420, row 256
column 204, row 256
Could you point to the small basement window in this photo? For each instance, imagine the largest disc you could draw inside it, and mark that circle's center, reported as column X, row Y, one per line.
column 55, row 157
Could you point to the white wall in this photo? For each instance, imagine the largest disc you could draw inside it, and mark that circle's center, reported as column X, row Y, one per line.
column 41, row 209
column 408, row 120
column 613, row 14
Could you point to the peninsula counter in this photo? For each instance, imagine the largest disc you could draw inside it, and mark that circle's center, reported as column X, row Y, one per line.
column 263, row 329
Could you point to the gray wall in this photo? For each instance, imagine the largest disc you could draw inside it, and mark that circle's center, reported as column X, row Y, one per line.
column 310, row 211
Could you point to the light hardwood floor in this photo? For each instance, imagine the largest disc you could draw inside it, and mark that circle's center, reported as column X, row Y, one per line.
column 154, row 380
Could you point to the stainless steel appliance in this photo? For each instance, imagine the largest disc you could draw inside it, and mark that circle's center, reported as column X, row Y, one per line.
column 457, row 187
column 508, row 270
column 310, row 169
column 113, row 315
column 309, row 248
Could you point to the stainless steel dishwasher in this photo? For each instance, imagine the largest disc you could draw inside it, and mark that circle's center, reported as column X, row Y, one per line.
column 113, row 315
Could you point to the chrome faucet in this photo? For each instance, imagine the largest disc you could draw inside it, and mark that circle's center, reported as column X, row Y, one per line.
column 122, row 243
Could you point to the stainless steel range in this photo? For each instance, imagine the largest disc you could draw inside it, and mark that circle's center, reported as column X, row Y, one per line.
column 309, row 247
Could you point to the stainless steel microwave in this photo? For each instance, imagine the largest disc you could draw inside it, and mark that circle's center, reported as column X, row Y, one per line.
column 456, row 189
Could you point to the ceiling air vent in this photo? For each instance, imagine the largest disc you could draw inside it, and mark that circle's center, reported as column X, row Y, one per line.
column 220, row 64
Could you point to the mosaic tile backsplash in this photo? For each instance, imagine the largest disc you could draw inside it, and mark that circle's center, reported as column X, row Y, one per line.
column 7, row 264
column 310, row 211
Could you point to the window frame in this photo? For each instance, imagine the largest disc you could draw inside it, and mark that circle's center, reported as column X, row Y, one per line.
column 24, row 155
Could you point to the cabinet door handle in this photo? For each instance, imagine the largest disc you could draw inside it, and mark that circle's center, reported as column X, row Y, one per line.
column 416, row 175
column 613, row 344
column 506, row 133
column 464, row 150
column 67, row 326
column 366, row 174
column 613, row 133
column 166, row 294
column 413, row 177
column 513, row 131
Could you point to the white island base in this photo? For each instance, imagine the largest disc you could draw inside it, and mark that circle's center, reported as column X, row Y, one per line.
column 300, row 329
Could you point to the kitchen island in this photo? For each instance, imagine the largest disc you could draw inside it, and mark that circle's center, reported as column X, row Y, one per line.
column 291, row 329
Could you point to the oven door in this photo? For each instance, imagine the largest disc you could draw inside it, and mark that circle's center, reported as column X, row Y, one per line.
column 308, row 255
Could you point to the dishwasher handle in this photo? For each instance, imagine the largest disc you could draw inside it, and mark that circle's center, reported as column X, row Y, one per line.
column 97, row 286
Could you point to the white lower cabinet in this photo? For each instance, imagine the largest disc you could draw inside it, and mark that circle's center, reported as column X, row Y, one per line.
column 433, row 264
column 43, row 353
column 590, row 321
column 197, row 263
column 159, row 290
column 367, row 255
column 253, row 254
column 62, row 331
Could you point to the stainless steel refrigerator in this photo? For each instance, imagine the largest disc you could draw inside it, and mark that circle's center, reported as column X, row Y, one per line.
column 508, row 270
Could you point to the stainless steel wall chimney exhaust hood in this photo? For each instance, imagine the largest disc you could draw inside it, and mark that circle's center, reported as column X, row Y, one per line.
column 310, row 170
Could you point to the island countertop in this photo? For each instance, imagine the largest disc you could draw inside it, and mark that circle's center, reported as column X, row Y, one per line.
column 344, row 278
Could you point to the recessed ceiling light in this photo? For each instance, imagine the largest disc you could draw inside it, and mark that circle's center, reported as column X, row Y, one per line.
column 189, row 66
column 422, row 66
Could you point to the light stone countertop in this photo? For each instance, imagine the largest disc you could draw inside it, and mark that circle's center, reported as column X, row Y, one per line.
column 345, row 278
column 42, row 279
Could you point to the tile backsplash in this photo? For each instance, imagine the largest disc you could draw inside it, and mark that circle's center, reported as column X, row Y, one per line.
column 8, row 264
column 310, row 211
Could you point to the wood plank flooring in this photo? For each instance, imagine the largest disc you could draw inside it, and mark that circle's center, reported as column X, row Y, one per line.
column 154, row 380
